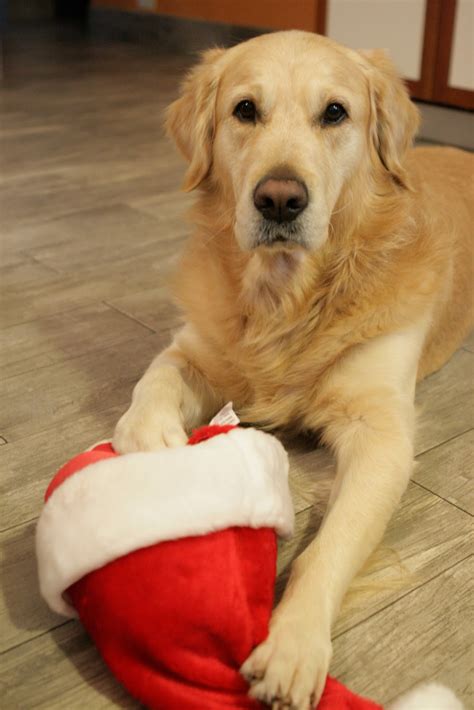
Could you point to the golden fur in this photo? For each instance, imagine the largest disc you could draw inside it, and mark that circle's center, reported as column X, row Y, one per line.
column 326, row 336
column 400, row 261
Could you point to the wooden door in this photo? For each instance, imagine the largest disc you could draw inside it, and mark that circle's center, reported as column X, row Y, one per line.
column 454, row 74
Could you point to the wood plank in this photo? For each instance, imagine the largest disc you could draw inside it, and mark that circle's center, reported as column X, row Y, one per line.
column 76, row 225
column 60, row 670
column 61, row 293
column 58, row 338
column 23, row 614
column 154, row 308
column 25, row 474
column 427, row 635
column 70, row 244
column 59, row 155
column 445, row 402
column 448, row 471
column 170, row 208
column 22, row 269
column 42, row 399
column 55, row 192
column 425, row 536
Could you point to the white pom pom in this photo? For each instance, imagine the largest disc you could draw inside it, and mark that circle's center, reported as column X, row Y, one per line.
column 432, row 696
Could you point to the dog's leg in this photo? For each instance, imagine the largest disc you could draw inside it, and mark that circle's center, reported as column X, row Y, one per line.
column 368, row 413
column 171, row 398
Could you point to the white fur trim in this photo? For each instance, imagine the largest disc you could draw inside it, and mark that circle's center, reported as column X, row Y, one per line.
column 432, row 696
column 118, row 505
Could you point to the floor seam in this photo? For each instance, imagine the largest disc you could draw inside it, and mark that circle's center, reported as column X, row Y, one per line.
column 19, row 525
column 442, row 443
column 440, row 497
column 127, row 315
column 33, row 638
column 76, row 357
column 37, row 260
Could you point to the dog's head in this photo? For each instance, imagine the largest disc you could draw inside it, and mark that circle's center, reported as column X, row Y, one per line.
column 283, row 125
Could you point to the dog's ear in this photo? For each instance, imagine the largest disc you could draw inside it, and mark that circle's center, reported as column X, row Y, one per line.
column 394, row 118
column 190, row 120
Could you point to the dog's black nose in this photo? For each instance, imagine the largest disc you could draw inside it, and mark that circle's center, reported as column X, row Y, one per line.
column 279, row 199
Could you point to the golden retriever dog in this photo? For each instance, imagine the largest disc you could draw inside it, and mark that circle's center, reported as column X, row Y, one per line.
column 330, row 268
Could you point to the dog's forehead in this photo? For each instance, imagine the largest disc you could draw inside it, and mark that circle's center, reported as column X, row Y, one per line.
column 295, row 57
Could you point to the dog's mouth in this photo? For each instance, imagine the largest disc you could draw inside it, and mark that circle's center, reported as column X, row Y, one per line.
column 277, row 236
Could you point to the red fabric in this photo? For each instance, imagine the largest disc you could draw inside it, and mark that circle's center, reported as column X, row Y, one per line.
column 176, row 620
column 207, row 432
column 337, row 697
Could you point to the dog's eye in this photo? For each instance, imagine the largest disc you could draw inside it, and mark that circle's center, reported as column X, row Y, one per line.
column 246, row 111
column 334, row 113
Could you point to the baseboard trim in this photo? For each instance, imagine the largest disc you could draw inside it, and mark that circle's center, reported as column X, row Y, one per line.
column 447, row 125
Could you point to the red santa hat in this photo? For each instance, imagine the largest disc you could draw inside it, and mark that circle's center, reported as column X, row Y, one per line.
column 169, row 559
column 113, row 505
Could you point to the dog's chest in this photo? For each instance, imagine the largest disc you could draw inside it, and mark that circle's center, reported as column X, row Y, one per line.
column 279, row 364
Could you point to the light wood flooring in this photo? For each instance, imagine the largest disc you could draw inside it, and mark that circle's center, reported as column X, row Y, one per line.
column 91, row 221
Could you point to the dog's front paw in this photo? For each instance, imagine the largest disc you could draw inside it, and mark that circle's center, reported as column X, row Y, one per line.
column 145, row 428
column 289, row 669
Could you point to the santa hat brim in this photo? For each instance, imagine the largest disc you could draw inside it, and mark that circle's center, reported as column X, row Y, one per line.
column 121, row 504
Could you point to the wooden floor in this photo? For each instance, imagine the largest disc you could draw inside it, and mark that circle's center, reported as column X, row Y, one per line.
column 91, row 222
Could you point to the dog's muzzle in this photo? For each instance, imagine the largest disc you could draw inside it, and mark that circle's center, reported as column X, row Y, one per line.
column 280, row 200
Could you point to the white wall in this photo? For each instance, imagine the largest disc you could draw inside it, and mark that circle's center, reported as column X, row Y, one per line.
column 396, row 25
